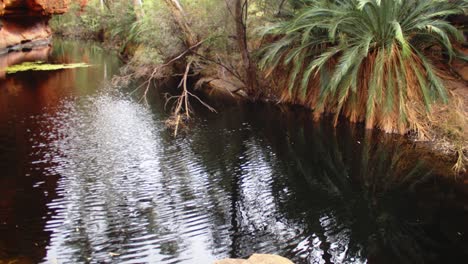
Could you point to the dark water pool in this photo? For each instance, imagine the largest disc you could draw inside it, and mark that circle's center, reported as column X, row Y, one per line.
column 89, row 174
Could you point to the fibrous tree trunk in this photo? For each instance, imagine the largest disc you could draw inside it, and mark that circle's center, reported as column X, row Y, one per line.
column 179, row 16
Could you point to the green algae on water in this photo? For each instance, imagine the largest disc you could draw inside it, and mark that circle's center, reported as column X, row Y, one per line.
column 41, row 66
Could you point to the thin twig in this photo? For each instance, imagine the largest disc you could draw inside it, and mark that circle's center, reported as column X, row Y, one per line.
column 187, row 69
column 203, row 103
column 177, row 125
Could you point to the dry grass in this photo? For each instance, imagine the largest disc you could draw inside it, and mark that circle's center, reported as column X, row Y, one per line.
column 400, row 114
column 447, row 128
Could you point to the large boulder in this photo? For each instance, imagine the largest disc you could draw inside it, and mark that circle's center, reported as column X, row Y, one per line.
column 257, row 259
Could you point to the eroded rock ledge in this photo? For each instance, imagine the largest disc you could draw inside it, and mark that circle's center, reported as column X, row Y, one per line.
column 25, row 23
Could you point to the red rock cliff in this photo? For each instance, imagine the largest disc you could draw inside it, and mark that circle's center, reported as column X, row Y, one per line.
column 26, row 21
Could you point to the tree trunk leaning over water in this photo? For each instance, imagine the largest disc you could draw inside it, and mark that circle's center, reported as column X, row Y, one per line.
column 179, row 16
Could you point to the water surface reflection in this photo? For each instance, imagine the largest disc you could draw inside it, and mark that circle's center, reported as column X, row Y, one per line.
column 26, row 100
column 112, row 185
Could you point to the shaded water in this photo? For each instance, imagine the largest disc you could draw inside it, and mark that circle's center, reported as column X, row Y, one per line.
column 91, row 175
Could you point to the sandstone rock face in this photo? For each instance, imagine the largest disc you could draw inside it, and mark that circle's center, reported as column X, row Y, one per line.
column 48, row 7
column 19, row 31
column 33, row 7
column 26, row 21
column 257, row 259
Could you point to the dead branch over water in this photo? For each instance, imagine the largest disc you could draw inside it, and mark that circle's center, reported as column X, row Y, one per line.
column 182, row 109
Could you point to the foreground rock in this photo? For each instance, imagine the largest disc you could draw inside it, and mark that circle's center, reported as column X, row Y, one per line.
column 24, row 23
column 257, row 259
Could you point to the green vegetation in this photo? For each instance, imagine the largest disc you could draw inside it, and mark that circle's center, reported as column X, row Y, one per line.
column 378, row 62
column 381, row 62
column 150, row 33
column 369, row 60
column 112, row 23
column 41, row 66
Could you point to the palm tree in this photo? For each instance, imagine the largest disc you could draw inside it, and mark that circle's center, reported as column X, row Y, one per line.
column 369, row 60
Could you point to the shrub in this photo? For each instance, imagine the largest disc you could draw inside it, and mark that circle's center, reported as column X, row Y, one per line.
column 368, row 60
column 94, row 20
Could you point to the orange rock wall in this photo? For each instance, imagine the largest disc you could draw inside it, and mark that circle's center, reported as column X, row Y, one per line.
column 33, row 7
column 48, row 7
column 22, row 30
column 26, row 21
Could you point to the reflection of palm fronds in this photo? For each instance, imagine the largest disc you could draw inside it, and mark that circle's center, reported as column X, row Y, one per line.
column 386, row 167
column 365, row 184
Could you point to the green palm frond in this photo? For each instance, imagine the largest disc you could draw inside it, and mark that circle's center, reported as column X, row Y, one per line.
column 376, row 45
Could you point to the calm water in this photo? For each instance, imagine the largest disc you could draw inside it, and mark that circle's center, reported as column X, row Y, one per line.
column 89, row 174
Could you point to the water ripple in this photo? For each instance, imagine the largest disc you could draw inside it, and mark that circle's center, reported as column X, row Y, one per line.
column 128, row 192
